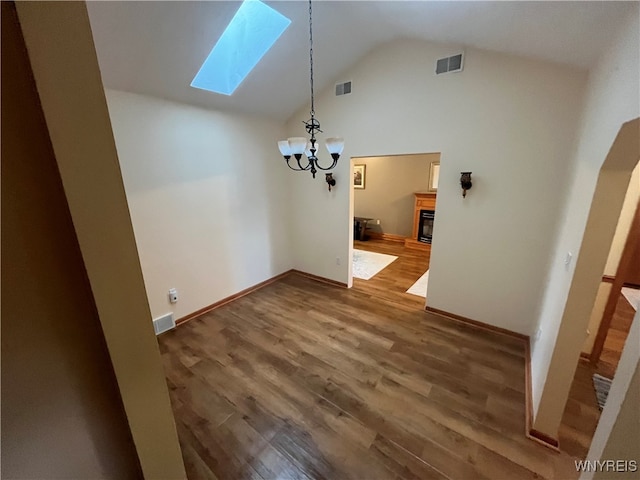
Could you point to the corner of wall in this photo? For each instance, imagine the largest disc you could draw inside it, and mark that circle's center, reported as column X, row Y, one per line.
column 320, row 218
column 202, row 199
column 612, row 99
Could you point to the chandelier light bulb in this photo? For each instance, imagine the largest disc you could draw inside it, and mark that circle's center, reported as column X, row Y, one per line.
column 308, row 151
column 297, row 145
column 284, row 147
column 335, row 145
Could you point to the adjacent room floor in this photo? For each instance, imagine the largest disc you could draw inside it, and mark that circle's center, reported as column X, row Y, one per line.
column 392, row 283
column 302, row 379
column 616, row 337
column 581, row 415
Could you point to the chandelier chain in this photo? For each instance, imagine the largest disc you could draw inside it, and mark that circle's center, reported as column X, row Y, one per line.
column 311, row 58
column 312, row 126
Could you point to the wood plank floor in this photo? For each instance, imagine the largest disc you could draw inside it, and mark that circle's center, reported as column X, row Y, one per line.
column 581, row 414
column 616, row 337
column 392, row 282
column 305, row 380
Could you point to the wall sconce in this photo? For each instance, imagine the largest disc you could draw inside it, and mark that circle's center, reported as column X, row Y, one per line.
column 330, row 180
column 465, row 182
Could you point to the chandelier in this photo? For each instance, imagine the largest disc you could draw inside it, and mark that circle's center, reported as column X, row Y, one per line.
column 296, row 146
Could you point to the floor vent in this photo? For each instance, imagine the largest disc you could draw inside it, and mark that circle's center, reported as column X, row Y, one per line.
column 450, row 64
column 164, row 323
column 343, row 88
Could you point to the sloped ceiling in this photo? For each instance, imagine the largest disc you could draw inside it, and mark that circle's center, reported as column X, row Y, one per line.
column 156, row 48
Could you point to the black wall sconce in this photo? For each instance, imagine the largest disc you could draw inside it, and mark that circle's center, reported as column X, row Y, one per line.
column 465, row 182
column 330, row 180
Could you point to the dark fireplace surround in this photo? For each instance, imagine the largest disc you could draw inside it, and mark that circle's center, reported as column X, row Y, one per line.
column 425, row 228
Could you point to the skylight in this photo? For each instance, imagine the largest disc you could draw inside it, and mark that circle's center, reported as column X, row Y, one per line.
column 252, row 31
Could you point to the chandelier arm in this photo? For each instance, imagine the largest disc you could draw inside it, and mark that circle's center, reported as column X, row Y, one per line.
column 295, row 169
column 307, row 167
column 335, row 162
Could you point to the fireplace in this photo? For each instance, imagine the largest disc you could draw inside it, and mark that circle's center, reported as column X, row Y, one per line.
column 424, row 210
column 425, row 229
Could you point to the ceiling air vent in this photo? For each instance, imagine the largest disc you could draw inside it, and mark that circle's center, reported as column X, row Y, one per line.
column 449, row 64
column 343, row 88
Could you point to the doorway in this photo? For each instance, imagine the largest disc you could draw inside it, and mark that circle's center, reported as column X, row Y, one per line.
column 623, row 298
column 611, row 317
column 390, row 256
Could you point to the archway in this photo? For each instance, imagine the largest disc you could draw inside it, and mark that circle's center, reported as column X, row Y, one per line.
column 608, row 198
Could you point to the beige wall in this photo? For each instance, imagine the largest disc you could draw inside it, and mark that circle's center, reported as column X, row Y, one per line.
column 599, row 231
column 511, row 121
column 596, row 315
column 624, row 223
column 62, row 56
column 613, row 260
column 389, row 187
column 210, row 210
column 62, row 415
column 588, row 221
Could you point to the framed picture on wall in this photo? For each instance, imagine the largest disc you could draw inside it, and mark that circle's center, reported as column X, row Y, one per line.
column 358, row 176
column 434, row 176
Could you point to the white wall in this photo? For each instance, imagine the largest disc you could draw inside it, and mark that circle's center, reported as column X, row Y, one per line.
column 612, row 99
column 511, row 121
column 208, row 201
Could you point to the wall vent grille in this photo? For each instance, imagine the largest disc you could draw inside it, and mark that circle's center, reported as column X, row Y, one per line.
column 343, row 88
column 164, row 323
column 450, row 64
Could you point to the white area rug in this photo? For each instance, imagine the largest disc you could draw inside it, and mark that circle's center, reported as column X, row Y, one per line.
column 368, row 264
column 420, row 287
column 633, row 295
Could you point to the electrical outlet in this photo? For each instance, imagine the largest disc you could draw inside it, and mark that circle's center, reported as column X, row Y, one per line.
column 173, row 295
column 337, row 260
column 378, row 221
column 538, row 334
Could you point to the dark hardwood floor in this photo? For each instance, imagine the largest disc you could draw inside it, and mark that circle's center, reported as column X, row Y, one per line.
column 302, row 379
column 392, row 283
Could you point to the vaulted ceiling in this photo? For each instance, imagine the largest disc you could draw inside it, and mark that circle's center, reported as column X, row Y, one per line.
column 156, row 47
